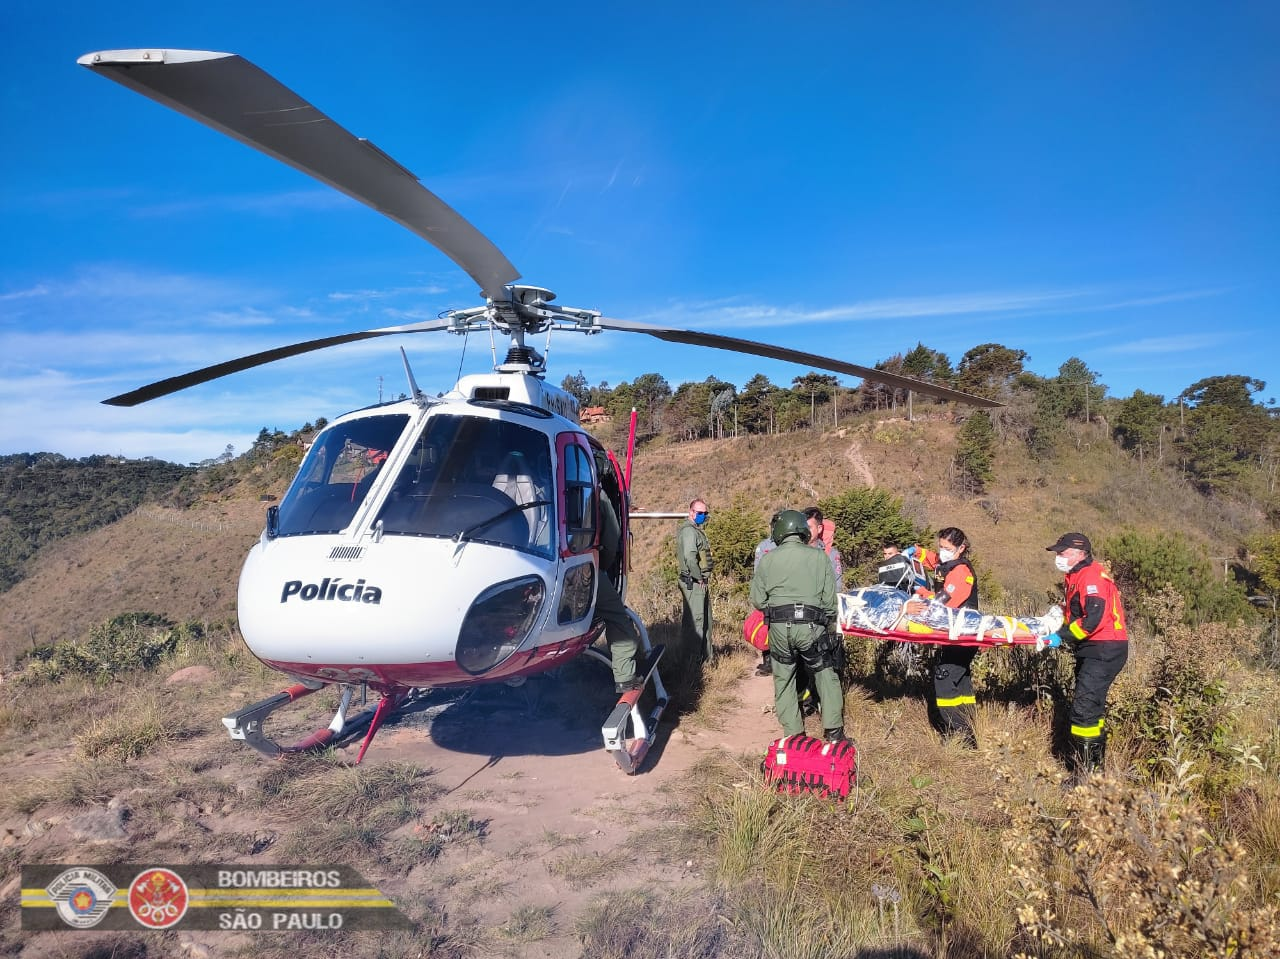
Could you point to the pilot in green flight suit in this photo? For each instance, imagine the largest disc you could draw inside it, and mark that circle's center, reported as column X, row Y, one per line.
column 693, row 552
column 796, row 588
column 620, row 632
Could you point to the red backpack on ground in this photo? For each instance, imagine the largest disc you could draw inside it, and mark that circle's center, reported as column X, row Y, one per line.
column 756, row 631
column 802, row 764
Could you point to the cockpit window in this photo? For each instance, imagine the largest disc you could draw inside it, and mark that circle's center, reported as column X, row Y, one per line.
column 484, row 480
column 337, row 473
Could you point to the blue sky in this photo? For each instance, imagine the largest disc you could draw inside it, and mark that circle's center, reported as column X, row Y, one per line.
column 1095, row 180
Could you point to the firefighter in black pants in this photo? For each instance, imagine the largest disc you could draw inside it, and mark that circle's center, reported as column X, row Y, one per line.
column 1093, row 629
column 952, row 676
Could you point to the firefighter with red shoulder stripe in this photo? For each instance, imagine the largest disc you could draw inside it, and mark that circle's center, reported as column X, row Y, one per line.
column 1094, row 630
column 952, row 664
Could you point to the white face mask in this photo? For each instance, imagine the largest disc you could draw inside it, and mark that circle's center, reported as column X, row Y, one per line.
column 1062, row 563
column 946, row 555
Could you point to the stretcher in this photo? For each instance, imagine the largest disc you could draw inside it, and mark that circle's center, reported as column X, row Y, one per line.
column 879, row 612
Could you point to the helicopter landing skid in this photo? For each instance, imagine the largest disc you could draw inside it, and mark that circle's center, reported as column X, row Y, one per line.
column 629, row 751
column 246, row 724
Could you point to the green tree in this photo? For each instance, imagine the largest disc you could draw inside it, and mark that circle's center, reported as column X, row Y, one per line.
column 975, row 453
column 689, row 412
column 1082, row 394
column 1224, row 432
column 1048, row 417
column 1139, row 424
column 926, row 364
column 1265, row 550
column 989, row 370
column 867, row 519
column 755, row 404
column 575, row 384
column 813, row 390
column 651, row 392
column 733, row 532
column 1143, row 565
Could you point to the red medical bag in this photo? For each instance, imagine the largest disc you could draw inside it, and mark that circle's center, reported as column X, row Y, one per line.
column 802, row 764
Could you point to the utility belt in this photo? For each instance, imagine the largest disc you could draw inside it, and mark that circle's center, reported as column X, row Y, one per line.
column 689, row 581
column 797, row 613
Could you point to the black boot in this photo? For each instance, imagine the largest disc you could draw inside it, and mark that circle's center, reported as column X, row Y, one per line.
column 959, row 729
column 766, row 665
column 835, row 735
column 1086, row 758
column 808, row 702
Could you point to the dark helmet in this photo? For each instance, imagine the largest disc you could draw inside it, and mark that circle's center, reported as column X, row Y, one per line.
column 790, row 522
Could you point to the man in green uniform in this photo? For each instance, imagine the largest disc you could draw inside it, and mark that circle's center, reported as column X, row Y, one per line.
column 796, row 589
column 693, row 552
column 619, row 631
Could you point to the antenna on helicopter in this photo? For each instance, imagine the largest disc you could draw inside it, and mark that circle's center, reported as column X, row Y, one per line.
column 418, row 396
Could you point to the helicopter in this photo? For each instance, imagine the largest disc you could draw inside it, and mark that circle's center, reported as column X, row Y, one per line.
column 432, row 541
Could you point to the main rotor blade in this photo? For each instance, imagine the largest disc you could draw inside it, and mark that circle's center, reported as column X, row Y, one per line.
column 694, row 337
column 233, row 96
column 175, row 383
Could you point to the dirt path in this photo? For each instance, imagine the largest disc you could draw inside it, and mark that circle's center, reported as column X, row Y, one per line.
column 859, row 463
column 562, row 825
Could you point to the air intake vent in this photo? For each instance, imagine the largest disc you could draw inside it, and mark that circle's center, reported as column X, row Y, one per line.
column 491, row 393
column 346, row 552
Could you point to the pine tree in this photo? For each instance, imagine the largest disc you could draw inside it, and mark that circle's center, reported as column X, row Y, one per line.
column 975, row 453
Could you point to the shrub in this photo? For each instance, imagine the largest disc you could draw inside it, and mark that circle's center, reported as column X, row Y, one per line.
column 733, row 532
column 1143, row 565
column 1131, row 871
column 868, row 519
column 125, row 643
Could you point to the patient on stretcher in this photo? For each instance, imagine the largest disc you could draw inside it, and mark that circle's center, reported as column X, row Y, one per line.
column 878, row 610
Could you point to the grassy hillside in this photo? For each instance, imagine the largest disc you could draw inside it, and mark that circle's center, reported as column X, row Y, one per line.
column 943, row 852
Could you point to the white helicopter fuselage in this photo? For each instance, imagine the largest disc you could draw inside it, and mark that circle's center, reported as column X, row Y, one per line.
column 431, row 543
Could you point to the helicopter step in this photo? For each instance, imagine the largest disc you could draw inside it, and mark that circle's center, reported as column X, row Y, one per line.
column 247, row 724
column 629, row 732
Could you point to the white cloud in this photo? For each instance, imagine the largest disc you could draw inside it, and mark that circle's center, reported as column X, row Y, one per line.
column 38, row 290
column 1181, row 343
column 724, row 313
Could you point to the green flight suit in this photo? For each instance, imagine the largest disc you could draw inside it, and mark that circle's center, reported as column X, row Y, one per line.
column 619, row 631
column 693, row 552
column 789, row 574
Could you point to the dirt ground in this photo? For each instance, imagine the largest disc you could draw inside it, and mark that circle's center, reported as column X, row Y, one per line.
column 558, row 826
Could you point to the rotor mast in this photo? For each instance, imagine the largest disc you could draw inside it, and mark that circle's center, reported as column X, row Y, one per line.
column 522, row 311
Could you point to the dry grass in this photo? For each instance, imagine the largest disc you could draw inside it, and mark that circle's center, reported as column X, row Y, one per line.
column 582, row 869
column 142, row 727
column 930, row 857
column 529, row 924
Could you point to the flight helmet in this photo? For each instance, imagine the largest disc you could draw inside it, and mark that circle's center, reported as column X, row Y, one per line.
column 790, row 522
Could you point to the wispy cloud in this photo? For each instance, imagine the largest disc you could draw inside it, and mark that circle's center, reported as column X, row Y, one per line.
column 1182, row 343
column 108, row 282
column 368, row 295
column 734, row 313
column 254, row 204
column 38, row 290
column 729, row 314
column 1159, row 299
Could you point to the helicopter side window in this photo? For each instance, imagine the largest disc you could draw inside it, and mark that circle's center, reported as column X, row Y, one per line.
column 484, row 480
column 579, row 499
column 336, row 474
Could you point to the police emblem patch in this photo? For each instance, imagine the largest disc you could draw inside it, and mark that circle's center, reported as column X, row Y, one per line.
column 81, row 896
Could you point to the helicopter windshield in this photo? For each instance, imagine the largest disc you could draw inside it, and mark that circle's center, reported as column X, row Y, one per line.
column 337, row 473
column 477, row 479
